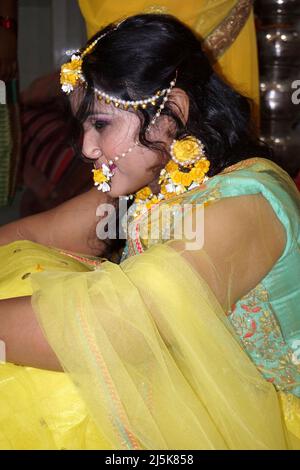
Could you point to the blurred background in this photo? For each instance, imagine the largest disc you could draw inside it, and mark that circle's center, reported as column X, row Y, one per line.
column 48, row 172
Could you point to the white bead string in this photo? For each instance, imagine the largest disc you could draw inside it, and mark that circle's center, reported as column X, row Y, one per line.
column 126, row 104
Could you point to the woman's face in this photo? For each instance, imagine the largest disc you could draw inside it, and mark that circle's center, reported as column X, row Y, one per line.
column 110, row 132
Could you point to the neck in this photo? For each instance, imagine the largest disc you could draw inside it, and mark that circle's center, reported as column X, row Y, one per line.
column 154, row 186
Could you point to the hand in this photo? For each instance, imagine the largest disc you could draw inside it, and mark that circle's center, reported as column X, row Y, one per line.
column 8, row 54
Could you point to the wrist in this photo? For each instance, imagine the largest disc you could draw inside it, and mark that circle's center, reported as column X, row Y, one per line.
column 8, row 23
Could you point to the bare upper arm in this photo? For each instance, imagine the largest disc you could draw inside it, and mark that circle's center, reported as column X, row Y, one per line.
column 25, row 343
column 70, row 226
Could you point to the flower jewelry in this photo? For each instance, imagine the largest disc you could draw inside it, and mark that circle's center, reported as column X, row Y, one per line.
column 187, row 151
column 175, row 179
column 70, row 74
column 186, row 170
column 102, row 177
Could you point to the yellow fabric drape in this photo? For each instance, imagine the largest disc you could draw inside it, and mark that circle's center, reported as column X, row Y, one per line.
column 239, row 64
column 158, row 366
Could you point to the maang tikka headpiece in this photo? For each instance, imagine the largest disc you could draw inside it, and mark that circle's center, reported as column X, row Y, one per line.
column 71, row 74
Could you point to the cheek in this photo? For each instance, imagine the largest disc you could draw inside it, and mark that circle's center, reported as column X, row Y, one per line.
column 134, row 173
column 120, row 135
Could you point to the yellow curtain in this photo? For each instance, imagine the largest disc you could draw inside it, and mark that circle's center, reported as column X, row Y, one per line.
column 238, row 65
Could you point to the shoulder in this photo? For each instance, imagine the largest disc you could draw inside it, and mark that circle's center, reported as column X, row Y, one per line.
column 230, row 222
column 242, row 240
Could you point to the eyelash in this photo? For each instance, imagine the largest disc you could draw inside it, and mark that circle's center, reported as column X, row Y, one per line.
column 99, row 125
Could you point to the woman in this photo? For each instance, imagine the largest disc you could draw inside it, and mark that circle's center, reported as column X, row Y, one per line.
column 192, row 341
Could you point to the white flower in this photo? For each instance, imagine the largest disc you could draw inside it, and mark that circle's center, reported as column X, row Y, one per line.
column 67, row 88
column 105, row 187
column 170, row 187
column 106, row 171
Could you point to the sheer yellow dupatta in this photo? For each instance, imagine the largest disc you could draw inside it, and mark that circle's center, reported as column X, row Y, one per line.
column 151, row 352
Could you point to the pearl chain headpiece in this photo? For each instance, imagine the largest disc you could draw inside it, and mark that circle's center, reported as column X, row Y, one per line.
column 71, row 74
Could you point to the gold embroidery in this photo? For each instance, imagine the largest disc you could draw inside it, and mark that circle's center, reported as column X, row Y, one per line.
column 220, row 39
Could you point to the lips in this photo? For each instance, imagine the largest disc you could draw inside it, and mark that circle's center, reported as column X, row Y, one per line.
column 112, row 167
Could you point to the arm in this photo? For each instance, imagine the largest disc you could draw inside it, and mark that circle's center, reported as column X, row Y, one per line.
column 70, row 226
column 24, row 340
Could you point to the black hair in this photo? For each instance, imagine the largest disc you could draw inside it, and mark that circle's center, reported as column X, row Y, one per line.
column 143, row 55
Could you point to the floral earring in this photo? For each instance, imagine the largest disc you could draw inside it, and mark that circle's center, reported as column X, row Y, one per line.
column 102, row 177
column 187, row 169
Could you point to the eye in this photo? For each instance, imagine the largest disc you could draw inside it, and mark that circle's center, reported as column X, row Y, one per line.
column 99, row 125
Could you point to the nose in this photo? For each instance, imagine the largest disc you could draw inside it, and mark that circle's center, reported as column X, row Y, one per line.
column 90, row 145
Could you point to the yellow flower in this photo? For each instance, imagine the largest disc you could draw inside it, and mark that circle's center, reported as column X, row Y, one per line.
column 203, row 164
column 154, row 200
column 199, row 170
column 99, row 177
column 171, row 166
column 179, row 177
column 143, row 193
column 197, row 173
column 176, row 177
column 186, row 149
column 70, row 72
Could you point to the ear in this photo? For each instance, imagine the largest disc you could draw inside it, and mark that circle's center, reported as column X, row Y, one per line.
column 180, row 103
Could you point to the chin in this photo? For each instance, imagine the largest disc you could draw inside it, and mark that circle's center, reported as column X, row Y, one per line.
column 118, row 190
